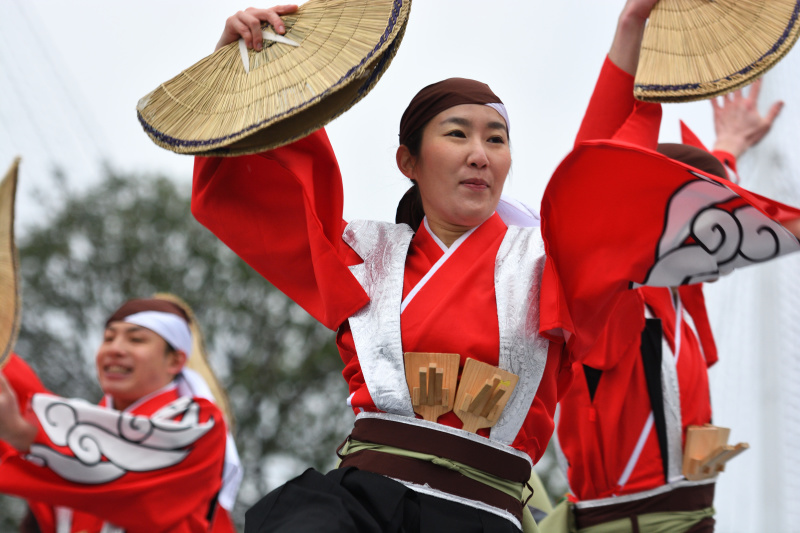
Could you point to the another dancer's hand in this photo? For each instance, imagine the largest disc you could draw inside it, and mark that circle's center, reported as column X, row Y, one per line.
column 738, row 122
column 14, row 429
column 247, row 25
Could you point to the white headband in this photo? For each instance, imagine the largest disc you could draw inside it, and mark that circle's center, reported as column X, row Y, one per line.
column 171, row 328
column 500, row 108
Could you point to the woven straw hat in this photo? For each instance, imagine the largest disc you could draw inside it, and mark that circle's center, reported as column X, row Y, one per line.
column 341, row 48
column 695, row 49
column 9, row 294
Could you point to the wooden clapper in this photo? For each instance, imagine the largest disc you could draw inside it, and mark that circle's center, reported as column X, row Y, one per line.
column 707, row 450
column 432, row 379
column 477, row 399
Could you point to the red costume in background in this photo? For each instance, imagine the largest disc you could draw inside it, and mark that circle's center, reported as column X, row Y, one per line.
column 156, row 467
column 623, row 422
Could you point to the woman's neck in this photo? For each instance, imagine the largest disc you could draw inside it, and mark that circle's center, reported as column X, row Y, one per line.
column 447, row 233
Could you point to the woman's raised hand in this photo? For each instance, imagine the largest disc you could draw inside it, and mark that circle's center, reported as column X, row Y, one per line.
column 630, row 30
column 639, row 8
column 247, row 25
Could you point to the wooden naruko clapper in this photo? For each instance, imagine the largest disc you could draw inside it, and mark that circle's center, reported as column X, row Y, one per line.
column 707, row 450
column 478, row 398
column 483, row 392
column 432, row 379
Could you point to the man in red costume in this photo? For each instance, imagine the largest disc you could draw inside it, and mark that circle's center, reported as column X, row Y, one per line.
column 623, row 422
column 149, row 458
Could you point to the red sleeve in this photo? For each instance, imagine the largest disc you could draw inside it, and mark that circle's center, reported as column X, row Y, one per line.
column 281, row 211
column 613, row 112
column 695, row 303
column 616, row 216
column 140, row 496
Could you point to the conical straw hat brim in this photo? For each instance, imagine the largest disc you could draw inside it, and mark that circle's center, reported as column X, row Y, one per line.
column 198, row 359
column 216, row 108
column 696, row 49
column 9, row 267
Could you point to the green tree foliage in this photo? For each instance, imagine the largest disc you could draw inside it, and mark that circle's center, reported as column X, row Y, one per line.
column 132, row 236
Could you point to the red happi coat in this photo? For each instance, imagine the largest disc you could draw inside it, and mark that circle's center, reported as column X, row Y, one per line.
column 703, row 227
column 609, row 437
column 150, row 473
column 606, row 429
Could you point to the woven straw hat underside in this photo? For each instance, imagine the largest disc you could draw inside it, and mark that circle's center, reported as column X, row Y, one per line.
column 713, row 48
column 9, row 297
column 307, row 120
column 215, row 104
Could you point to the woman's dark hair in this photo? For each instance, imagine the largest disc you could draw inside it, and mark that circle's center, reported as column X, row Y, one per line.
column 409, row 209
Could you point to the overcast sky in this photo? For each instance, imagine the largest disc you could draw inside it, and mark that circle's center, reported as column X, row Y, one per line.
column 72, row 72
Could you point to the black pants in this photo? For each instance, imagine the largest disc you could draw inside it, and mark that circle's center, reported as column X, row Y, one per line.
column 351, row 500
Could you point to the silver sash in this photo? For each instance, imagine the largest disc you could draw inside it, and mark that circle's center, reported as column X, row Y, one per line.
column 376, row 327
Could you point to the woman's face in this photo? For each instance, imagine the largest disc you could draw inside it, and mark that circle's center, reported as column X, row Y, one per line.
column 463, row 162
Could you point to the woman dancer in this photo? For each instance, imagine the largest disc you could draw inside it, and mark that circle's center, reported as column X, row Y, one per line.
column 452, row 278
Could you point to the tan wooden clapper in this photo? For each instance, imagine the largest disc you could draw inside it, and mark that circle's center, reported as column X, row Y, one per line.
column 432, row 380
column 477, row 398
column 483, row 393
column 707, row 450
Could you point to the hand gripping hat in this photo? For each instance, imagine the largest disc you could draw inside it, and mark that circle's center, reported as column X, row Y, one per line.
column 238, row 101
column 695, row 49
column 9, row 269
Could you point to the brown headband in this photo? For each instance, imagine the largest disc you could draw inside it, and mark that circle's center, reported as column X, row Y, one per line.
column 694, row 157
column 146, row 304
column 435, row 98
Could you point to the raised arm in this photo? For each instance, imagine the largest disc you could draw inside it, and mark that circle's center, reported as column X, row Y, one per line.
column 281, row 210
column 627, row 42
column 613, row 112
